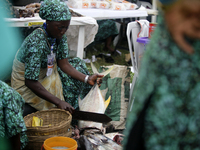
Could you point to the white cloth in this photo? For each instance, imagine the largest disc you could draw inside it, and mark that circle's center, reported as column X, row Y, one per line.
column 91, row 28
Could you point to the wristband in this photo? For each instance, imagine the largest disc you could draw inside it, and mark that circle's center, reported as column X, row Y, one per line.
column 86, row 78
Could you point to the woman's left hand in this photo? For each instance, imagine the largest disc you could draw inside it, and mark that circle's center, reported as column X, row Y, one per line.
column 95, row 78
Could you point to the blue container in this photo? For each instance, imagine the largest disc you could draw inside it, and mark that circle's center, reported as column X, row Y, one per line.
column 143, row 40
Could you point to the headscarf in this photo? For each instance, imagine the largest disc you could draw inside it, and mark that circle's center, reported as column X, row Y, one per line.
column 54, row 10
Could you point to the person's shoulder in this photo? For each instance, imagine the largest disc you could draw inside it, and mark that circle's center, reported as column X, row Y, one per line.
column 3, row 84
column 4, row 87
column 38, row 34
column 39, row 31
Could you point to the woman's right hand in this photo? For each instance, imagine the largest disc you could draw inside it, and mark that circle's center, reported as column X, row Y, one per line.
column 40, row 91
column 66, row 106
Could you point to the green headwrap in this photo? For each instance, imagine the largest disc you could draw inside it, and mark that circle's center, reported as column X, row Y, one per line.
column 54, row 10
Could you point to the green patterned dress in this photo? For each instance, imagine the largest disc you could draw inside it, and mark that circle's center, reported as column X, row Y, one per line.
column 33, row 53
column 106, row 29
column 11, row 110
column 169, row 83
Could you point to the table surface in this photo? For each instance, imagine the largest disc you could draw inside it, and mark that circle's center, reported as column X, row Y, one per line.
column 23, row 22
column 89, row 16
column 88, row 21
column 99, row 14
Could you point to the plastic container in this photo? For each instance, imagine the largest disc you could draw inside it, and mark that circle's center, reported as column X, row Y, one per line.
column 59, row 141
column 144, row 40
column 152, row 27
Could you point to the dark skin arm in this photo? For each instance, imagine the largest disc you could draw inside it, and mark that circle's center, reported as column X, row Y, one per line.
column 67, row 68
column 39, row 90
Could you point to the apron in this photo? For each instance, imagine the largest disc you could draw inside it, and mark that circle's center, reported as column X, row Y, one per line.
column 51, row 83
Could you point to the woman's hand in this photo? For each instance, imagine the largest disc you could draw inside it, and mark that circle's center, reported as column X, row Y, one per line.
column 39, row 90
column 95, row 78
column 66, row 106
column 183, row 20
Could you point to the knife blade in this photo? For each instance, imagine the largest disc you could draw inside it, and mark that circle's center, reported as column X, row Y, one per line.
column 90, row 116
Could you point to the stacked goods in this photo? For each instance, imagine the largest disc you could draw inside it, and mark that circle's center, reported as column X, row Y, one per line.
column 31, row 9
column 27, row 11
column 35, row 7
column 123, row 5
column 44, row 124
column 102, row 4
column 75, row 14
column 81, row 3
column 117, row 6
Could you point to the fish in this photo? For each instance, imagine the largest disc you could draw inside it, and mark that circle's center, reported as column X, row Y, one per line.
column 101, row 142
column 94, row 102
column 96, row 140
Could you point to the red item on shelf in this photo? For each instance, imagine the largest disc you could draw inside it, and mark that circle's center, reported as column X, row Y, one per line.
column 152, row 27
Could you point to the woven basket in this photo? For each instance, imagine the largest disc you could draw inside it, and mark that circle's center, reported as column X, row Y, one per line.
column 56, row 122
column 36, row 142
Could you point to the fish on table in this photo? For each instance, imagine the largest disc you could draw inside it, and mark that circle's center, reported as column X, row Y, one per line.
column 94, row 102
column 94, row 139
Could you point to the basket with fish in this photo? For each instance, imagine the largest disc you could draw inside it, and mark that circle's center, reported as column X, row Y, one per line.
column 44, row 124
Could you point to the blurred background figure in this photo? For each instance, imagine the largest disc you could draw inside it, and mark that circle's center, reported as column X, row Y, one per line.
column 106, row 33
column 165, row 113
column 12, row 126
column 10, row 40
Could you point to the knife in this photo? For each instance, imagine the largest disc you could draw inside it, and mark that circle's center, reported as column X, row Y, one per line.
column 90, row 116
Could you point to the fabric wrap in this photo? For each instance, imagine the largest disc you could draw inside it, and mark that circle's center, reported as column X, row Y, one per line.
column 51, row 83
column 54, row 10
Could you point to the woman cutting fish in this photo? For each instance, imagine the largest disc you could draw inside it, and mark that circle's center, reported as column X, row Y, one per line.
column 42, row 72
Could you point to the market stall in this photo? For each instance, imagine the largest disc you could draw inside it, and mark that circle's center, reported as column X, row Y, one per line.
column 77, row 37
column 81, row 22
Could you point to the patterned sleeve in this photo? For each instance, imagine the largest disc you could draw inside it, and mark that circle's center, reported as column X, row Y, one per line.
column 63, row 50
column 11, row 118
column 35, row 44
column 169, row 76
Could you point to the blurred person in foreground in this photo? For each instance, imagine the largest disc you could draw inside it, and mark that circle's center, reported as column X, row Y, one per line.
column 42, row 72
column 12, row 125
column 166, row 109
